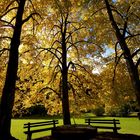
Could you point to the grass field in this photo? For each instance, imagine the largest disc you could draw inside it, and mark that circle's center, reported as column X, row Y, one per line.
column 128, row 125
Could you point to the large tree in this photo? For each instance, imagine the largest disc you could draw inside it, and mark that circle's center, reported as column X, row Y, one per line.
column 8, row 94
column 116, row 24
column 122, row 35
column 66, row 39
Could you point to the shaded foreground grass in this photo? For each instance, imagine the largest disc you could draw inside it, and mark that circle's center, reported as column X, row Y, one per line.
column 105, row 136
column 128, row 126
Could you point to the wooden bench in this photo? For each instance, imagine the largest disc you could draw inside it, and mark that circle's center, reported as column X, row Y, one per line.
column 104, row 124
column 35, row 127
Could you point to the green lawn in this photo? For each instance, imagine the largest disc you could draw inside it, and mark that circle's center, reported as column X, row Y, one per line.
column 128, row 125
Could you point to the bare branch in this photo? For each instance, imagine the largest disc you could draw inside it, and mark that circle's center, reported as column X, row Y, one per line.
column 10, row 4
column 97, row 11
column 3, row 50
column 12, row 19
column 55, row 73
column 116, row 53
column 9, row 23
column 131, row 35
column 32, row 5
column 56, row 41
column 77, row 29
column 5, row 37
column 74, row 92
column 8, row 11
column 79, row 80
column 49, row 50
column 75, row 49
column 71, row 64
column 116, row 11
column 49, row 88
column 57, row 26
column 56, row 50
column 82, row 68
column 136, row 52
column 116, row 63
column 125, row 28
column 138, row 62
column 74, row 44
column 24, row 52
column 135, row 15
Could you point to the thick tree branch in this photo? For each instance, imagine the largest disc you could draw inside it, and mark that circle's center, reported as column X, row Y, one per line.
column 30, row 16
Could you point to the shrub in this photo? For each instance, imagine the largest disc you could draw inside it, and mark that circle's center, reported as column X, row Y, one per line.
column 112, row 111
column 124, row 110
column 99, row 111
column 37, row 110
column 119, row 111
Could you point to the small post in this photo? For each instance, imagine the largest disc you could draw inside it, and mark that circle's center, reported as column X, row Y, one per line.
column 115, row 127
column 88, row 121
column 54, row 124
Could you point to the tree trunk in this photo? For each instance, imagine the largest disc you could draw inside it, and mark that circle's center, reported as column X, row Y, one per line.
column 132, row 69
column 8, row 93
column 65, row 97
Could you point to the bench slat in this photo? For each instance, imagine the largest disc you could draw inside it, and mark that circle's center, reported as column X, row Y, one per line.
column 107, row 127
column 103, row 122
column 40, row 124
column 56, row 121
column 38, row 130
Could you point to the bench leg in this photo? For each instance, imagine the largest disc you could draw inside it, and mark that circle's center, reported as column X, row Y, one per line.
column 29, row 136
column 115, row 131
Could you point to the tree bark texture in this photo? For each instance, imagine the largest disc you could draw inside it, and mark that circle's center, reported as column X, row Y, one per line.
column 8, row 93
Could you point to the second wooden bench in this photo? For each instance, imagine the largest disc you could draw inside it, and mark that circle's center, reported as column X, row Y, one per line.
column 104, row 124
